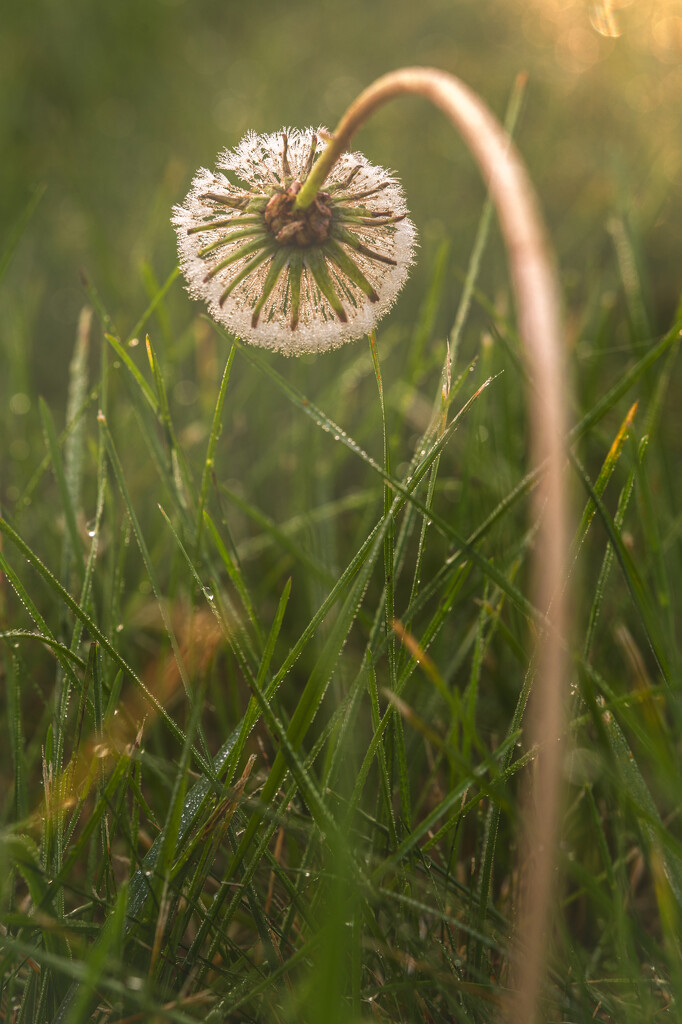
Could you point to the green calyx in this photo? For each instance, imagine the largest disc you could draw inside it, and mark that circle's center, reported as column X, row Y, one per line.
column 320, row 238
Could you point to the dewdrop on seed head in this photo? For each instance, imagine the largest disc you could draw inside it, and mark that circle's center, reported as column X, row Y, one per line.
column 287, row 279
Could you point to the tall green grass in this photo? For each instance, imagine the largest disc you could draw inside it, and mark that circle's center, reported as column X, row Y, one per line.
column 267, row 648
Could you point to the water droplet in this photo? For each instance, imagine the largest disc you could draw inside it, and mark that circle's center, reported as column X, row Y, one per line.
column 208, row 594
column 133, row 343
column 336, row 437
column 91, row 527
column 119, row 628
column 19, row 404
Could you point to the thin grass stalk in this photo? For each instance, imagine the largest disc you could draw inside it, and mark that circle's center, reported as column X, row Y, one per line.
column 535, row 286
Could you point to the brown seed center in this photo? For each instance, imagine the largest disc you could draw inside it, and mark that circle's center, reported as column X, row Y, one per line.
column 298, row 227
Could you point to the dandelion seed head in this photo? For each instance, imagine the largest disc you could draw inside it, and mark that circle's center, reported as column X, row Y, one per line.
column 293, row 280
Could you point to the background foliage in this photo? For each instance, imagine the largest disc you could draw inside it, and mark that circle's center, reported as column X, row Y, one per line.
column 105, row 113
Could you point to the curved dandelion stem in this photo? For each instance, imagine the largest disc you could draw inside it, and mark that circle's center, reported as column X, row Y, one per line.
column 536, row 290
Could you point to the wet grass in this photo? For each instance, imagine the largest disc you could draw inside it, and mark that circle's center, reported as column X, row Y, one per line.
column 266, row 725
column 266, row 643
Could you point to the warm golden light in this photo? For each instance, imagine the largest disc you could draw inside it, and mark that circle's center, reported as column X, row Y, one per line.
column 603, row 19
column 653, row 26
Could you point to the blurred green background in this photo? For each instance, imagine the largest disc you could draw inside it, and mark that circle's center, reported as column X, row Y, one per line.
column 112, row 107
